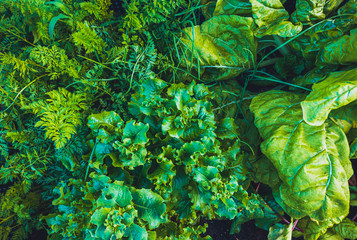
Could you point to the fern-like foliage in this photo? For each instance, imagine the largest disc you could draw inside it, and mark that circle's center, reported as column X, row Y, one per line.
column 100, row 8
column 60, row 114
column 134, row 64
column 143, row 13
column 17, row 208
column 87, row 38
column 17, row 63
column 55, row 61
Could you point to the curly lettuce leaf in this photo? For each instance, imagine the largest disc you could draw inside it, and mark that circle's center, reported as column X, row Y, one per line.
column 144, row 101
column 132, row 145
column 337, row 90
column 103, row 125
column 312, row 161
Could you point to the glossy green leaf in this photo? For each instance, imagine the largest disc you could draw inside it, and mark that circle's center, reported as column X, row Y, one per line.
column 343, row 51
column 314, row 40
column 222, row 47
column 272, row 19
column 150, row 206
column 308, row 11
column 132, row 145
column 331, row 235
column 281, row 231
column 227, row 129
column 233, row 7
column 312, row 161
column 136, row 232
column 337, row 90
column 115, row 194
column 103, row 125
column 347, row 229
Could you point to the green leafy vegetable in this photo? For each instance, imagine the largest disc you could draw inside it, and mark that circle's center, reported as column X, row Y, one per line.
column 312, row 161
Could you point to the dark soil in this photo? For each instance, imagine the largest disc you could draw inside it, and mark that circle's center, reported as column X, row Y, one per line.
column 219, row 230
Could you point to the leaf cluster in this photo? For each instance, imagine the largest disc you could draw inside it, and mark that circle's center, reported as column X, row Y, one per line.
column 144, row 124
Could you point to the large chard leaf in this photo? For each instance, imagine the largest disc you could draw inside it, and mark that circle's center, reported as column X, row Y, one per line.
column 337, row 90
column 311, row 42
column 342, row 51
column 222, row 47
column 309, row 10
column 233, row 7
column 269, row 15
column 347, row 229
column 312, row 161
column 272, row 19
column 281, row 231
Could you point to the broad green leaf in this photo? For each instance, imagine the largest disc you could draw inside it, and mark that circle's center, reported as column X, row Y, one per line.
column 252, row 209
column 281, row 231
column 132, row 145
column 135, row 133
column 135, row 232
column 311, row 42
column 271, row 214
column 227, row 129
column 99, row 216
column 347, row 113
column 331, row 235
column 150, row 206
column 163, row 174
column 115, row 194
column 347, row 229
column 337, row 90
column 343, row 51
column 233, row 7
column 312, row 161
column 353, row 148
column 147, row 98
column 314, row 230
column 309, row 10
column 222, row 47
column 272, row 19
column 104, row 124
column 265, row 171
column 315, row 75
